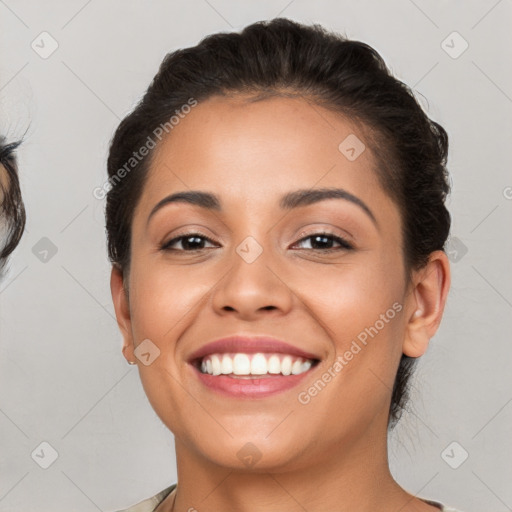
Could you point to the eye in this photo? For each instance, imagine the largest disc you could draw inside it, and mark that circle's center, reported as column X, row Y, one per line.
column 189, row 242
column 195, row 242
column 325, row 239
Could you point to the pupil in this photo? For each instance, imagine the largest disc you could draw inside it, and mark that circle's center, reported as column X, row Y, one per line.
column 188, row 245
column 324, row 239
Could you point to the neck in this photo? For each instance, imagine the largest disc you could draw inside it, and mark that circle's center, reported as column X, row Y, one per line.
column 353, row 476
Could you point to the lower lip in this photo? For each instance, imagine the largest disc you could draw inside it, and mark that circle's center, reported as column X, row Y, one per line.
column 257, row 387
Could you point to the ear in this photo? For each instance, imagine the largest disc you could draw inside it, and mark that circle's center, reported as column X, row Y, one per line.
column 122, row 309
column 430, row 290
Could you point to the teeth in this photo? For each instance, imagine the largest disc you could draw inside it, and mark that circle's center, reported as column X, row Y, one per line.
column 286, row 365
column 274, row 364
column 216, row 365
column 297, row 367
column 258, row 364
column 227, row 365
column 241, row 364
column 254, row 364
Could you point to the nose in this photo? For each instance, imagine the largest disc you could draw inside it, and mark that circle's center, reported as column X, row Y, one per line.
column 251, row 288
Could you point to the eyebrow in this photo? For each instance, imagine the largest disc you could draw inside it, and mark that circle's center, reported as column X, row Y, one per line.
column 291, row 200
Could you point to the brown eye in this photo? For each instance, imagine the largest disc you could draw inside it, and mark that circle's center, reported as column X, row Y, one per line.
column 189, row 242
column 324, row 241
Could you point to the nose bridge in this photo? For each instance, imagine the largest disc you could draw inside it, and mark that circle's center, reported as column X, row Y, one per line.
column 251, row 284
column 256, row 247
column 253, row 234
column 251, row 260
column 251, row 250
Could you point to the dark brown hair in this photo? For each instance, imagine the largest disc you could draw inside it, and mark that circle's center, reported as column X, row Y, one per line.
column 12, row 209
column 281, row 56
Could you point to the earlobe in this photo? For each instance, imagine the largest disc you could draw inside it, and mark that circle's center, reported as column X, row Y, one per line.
column 428, row 300
column 122, row 310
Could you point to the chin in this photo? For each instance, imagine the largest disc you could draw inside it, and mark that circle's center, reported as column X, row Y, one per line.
column 253, row 453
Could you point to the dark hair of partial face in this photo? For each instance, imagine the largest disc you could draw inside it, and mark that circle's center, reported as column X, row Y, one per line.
column 281, row 57
column 12, row 209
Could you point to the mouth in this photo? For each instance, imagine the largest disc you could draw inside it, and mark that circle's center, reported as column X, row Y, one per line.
column 251, row 368
column 246, row 366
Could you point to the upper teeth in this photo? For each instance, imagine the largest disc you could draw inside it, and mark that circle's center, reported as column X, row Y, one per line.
column 254, row 364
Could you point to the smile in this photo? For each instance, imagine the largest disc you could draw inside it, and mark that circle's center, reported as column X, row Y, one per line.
column 252, row 376
column 240, row 364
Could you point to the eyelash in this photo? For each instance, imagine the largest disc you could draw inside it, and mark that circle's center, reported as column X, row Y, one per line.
column 345, row 245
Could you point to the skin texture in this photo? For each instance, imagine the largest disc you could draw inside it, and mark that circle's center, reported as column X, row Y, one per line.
column 327, row 455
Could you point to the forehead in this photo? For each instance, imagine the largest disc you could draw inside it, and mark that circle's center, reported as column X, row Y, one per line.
column 253, row 152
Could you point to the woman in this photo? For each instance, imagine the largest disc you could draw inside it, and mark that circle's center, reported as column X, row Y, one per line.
column 12, row 210
column 276, row 225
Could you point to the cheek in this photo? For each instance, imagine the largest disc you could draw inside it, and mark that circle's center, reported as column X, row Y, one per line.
column 362, row 317
column 350, row 296
column 359, row 307
column 162, row 297
column 162, row 302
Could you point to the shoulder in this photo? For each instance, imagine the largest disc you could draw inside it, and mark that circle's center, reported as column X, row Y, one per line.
column 150, row 504
column 443, row 508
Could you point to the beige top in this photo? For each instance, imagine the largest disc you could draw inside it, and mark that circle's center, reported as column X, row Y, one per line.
column 150, row 504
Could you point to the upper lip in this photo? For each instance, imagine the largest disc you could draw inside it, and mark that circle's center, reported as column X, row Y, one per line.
column 250, row 345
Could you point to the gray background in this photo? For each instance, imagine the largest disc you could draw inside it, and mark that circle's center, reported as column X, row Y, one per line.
column 63, row 379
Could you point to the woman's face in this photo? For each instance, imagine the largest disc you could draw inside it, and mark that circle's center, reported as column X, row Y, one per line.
column 266, row 274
